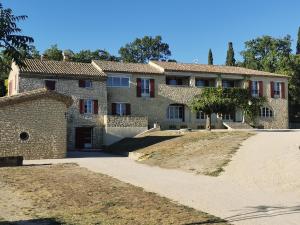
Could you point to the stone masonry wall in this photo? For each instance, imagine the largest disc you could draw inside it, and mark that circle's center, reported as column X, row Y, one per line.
column 126, row 121
column 75, row 119
column 46, row 126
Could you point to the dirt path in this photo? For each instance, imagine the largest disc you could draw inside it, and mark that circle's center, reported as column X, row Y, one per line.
column 261, row 185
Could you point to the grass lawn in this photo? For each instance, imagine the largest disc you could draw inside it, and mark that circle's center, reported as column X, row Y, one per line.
column 68, row 194
column 201, row 152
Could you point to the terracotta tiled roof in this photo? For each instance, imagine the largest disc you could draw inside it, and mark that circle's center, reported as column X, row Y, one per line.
column 109, row 66
column 35, row 94
column 60, row 68
column 202, row 68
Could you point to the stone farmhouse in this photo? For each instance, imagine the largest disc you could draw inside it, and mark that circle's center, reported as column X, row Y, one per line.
column 113, row 100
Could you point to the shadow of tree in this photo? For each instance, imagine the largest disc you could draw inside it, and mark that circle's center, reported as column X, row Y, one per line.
column 44, row 221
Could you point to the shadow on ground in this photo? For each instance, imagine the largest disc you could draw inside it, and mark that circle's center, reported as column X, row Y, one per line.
column 132, row 144
column 45, row 221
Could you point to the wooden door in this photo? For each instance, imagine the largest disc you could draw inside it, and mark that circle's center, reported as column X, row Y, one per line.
column 83, row 137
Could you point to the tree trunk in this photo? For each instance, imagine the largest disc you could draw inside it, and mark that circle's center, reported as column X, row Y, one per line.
column 208, row 122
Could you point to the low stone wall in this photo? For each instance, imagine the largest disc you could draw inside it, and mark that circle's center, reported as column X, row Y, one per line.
column 125, row 121
column 120, row 127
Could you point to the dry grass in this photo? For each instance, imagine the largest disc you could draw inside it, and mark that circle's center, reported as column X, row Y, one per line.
column 68, row 194
column 200, row 152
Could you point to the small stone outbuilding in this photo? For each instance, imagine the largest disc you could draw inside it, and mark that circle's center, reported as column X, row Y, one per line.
column 33, row 124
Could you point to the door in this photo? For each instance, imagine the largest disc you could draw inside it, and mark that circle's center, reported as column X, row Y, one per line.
column 84, row 137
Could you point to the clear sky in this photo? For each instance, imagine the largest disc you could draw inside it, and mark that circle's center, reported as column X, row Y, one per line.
column 190, row 27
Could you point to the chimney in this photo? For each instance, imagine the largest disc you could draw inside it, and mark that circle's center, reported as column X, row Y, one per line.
column 66, row 56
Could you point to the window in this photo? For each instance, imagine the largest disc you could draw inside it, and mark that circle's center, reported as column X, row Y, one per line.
column 277, row 89
column 145, row 87
column 120, row 109
column 121, row 81
column 175, row 112
column 200, row 115
column 227, row 116
column 24, row 136
column 227, row 83
column 265, row 112
column 255, row 88
column 172, row 82
column 85, row 83
column 88, row 106
column 202, row 83
column 50, row 85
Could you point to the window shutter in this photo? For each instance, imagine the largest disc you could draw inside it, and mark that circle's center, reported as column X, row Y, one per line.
column 138, row 87
column 95, row 106
column 128, row 110
column 152, row 88
column 261, row 88
column 250, row 87
column 81, row 83
column 81, row 106
column 282, row 90
column 272, row 89
column 113, row 108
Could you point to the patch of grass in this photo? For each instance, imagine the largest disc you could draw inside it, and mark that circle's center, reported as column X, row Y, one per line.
column 68, row 194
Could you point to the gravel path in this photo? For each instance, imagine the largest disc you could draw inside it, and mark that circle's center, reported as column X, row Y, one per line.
column 260, row 186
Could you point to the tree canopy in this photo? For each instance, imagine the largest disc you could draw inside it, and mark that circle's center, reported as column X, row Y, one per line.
column 230, row 60
column 141, row 50
column 298, row 42
column 210, row 58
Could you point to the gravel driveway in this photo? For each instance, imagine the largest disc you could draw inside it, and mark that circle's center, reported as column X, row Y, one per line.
column 260, row 186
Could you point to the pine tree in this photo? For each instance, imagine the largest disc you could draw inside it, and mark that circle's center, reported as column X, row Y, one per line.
column 230, row 60
column 298, row 43
column 210, row 58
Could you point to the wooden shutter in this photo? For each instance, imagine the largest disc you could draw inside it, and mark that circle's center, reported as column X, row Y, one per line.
column 81, row 106
column 138, row 87
column 81, row 83
column 261, row 88
column 95, row 106
column 128, row 109
column 152, row 88
column 282, row 90
column 113, row 108
column 272, row 89
column 250, row 87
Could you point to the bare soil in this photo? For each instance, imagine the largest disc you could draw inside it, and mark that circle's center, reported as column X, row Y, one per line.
column 201, row 152
column 69, row 194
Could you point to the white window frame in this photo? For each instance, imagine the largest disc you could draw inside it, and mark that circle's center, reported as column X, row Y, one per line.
column 144, row 88
column 266, row 112
column 122, row 108
column 200, row 115
column 88, row 105
column 118, row 77
column 277, row 89
column 255, row 88
column 173, row 112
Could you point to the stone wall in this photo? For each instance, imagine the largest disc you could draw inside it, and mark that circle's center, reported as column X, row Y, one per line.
column 126, row 121
column 75, row 119
column 45, row 123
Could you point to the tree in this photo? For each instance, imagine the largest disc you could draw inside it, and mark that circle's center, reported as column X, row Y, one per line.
column 210, row 58
column 53, row 53
column 145, row 49
column 268, row 54
column 298, row 43
column 11, row 41
column 230, row 60
column 87, row 56
column 220, row 101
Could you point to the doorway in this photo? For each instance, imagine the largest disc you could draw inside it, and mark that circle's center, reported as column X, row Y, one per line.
column 84, row 137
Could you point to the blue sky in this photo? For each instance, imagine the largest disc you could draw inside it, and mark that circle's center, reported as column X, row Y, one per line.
column 190, row 27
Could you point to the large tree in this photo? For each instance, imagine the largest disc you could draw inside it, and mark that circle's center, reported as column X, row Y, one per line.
column 220, row 101
column 142, row 50
column 53, row 53
column 230, row 60
column 87, row 56
column 298, row 42
column 210, row 58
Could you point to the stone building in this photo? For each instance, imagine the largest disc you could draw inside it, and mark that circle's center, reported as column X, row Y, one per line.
column 33, row 124
column 113, row 100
